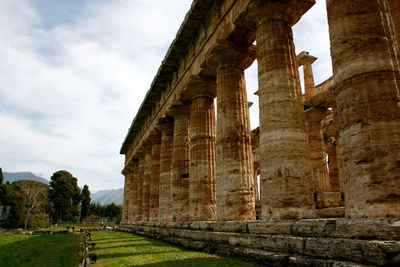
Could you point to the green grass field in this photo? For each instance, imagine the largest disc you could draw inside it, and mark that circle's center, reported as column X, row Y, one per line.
column 124, row 249
column 41, row 251
column 112, row 249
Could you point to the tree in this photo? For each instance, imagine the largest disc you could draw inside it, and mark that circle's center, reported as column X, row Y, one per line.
column 33, row 195
column 113, row 211
column 64, row 196
column 85, row 206
column 28, row 201
column 1, row 176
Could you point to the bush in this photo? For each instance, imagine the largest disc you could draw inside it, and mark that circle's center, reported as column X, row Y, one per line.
column 37, row 221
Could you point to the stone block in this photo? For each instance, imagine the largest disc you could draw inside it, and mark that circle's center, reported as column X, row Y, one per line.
column 329, row 199
column 380, row 229
column 318, row 227
column 336, row 212
column 232, row 226
column 279, row 227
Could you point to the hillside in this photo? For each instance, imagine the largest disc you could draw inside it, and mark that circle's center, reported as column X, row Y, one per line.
column 15, row 176
column 105, row 197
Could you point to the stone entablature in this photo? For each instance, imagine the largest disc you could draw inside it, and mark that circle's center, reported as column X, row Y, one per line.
column 203, row 166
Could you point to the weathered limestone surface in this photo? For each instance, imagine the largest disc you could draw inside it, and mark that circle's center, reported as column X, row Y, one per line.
column 166, row 127
column 395, row 12
column 202, row 195
column 155, row 175
column 285, row 157
column 235, row 183
column 338, row 153
column 133, row 194
column 125, row 201
column 305, row 59
column 139, row 198
column 322, row 242
column 328, row 129
column 367, row 106
column 146, row 182
column 314, row 117
column 180, row 163
column 255, row 146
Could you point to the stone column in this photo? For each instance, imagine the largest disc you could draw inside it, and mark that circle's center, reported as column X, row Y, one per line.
column 130, row 194
column 286, row 174
column 235, row 183
column 305, row 59
column 133, row 195
column 155, row 175
column 393, row 27
column 338, row 153
column 140, row 156
column 395, row 12
column 125, row 201
column 367, row 106
column 330, row 149
column 202, row 196
column 166, row 127
column 314, row 117
column 146, row 181
column 180, row 163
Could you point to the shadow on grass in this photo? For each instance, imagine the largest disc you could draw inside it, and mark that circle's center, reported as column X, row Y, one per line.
column 199, row 262
column 130, row 254
column 116, row 241
column 42, row 250
column 130, row 245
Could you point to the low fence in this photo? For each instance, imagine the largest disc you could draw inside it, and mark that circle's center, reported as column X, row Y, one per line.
column 86, row 256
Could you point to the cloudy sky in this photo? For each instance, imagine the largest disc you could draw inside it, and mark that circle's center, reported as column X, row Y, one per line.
column 73, row 73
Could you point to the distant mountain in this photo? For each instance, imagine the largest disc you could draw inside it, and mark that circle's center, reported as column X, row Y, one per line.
column 16, row 176
column 105, row 197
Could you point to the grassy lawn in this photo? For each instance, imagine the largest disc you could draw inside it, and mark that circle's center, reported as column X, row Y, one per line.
column 124, row 249
column 41, row 250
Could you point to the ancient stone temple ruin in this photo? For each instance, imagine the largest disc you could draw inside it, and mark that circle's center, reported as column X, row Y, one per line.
column 328, row 160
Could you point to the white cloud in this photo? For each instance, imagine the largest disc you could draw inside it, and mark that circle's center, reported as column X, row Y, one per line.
column 69, row 91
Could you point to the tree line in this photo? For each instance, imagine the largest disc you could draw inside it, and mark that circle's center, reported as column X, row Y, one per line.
column 35, row 204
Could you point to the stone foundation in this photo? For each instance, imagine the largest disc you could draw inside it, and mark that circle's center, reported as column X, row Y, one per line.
column 308, row 242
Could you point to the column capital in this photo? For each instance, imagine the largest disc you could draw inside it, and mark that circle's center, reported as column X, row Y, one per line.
column 199, row 86
column 225, row 53
column 179, row 111
column 166, row 125
column 147, row 146
column 139, row 153
column 260, row 11
column 304, row 58
column 155, row 137
column 316, row 114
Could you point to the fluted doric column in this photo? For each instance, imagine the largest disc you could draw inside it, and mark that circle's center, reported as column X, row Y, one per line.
column 125, row 202
column 305, row 59
column 140, row 156
column 338, row 153
column 368, row 109
column 202, row 196
column 166, row 127
column 330, row 142
column 133, row 187
column 235, row 183
column 180, row 163
column 314, row 117
column 395, row 12
column 155, row 139
column 286, row 175
column 146, row 181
